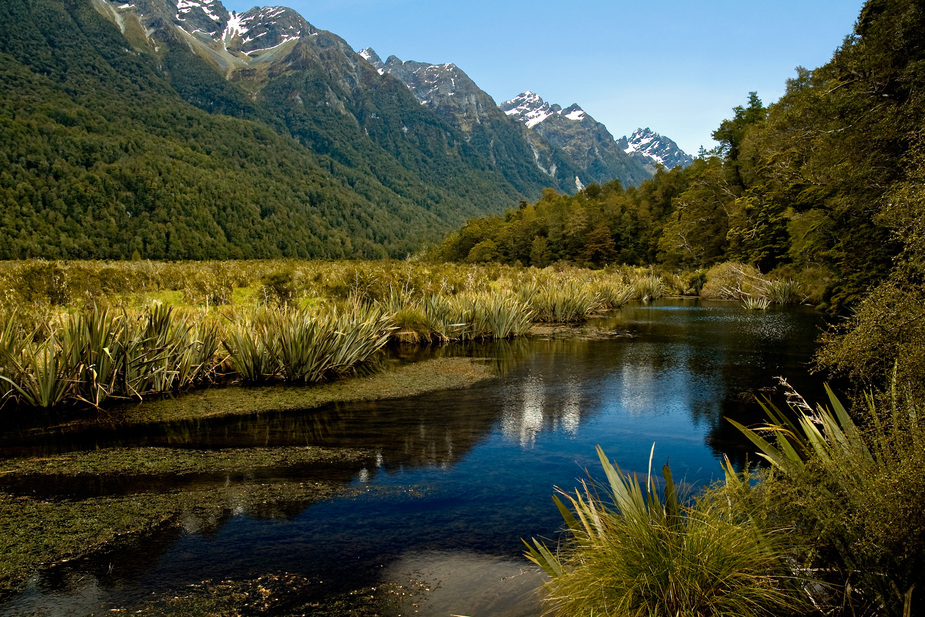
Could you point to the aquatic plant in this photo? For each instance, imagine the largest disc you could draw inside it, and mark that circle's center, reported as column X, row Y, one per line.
column 755, row 304
column 630, row 554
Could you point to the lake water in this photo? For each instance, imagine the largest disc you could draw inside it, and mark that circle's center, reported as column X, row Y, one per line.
column 456, row 479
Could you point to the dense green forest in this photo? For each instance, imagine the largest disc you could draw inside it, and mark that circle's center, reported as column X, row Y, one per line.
column 108, row 151
column 822, row 180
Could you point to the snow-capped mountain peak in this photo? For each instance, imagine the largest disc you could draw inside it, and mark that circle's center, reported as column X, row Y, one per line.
column 531, row 109
column 656, row 149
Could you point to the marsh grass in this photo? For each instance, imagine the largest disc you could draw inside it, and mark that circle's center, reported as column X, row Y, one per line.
column 87, row 333
column 564, row 301
column 304, row 346
column 95, row 354
column 756, row 304
column 629, row 553
column 648, row 287
column 786, row 291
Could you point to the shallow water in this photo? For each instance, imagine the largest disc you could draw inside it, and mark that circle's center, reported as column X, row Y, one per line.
column 456, row 479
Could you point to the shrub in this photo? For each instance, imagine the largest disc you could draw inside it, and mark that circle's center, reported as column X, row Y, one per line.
column 732, row 281
column 853, row 497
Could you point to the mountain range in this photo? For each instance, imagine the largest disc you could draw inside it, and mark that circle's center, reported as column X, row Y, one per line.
column 175, row 129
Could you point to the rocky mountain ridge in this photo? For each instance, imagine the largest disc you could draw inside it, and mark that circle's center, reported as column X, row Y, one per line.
column 654, row 149
column 586, row 141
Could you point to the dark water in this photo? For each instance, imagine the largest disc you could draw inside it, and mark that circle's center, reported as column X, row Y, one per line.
column 456, row 479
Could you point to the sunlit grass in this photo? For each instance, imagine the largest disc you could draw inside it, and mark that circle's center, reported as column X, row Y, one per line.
column 630, row 554
column 90, row 332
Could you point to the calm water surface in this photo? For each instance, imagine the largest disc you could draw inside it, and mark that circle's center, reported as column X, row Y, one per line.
column 456, row 479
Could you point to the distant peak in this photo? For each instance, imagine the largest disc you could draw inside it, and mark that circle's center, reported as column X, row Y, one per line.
column 656, row 148
column 370, row 55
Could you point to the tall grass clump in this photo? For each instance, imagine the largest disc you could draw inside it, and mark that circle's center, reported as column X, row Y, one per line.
column 786, row 291
column 560, row 301
column 95, row 354
column 613, row 294
column 756, row 304
column 852, row 493
column 490, row 315
column 304, row 346
column 631, row 554
column 648, row 287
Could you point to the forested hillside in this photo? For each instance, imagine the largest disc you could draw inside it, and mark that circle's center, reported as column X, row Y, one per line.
column 825, row 179
column 113, row 146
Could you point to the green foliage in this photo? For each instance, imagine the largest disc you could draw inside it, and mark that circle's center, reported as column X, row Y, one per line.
column 109, row 154
column 850, row 493
column 631, row 554
column 94, row 355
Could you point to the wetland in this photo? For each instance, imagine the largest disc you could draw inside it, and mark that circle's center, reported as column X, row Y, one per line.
column 401, row 491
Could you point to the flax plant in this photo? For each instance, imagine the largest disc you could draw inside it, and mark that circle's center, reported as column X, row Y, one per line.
column 303, row 346
column 648, row 287
column 492, row 315
column 783, row 292
column 756, row 304
column 37, row 376
column 630, row 554
column 613, row 295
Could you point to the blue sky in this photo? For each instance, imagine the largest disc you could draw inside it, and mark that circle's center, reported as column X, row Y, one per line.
column 678, row 67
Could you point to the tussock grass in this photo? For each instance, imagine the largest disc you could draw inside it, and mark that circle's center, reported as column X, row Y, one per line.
column 86, row 333
column 628, row 553
column 851, row 488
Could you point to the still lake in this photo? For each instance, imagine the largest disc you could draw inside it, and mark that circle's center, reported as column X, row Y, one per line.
column 456, row 479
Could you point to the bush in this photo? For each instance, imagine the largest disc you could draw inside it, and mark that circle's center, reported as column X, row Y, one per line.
column 732, row 281
column 852, row 496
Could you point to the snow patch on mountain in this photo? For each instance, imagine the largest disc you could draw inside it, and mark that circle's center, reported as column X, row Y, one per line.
column 657, row 149
column 529, row 108
column 187, row 6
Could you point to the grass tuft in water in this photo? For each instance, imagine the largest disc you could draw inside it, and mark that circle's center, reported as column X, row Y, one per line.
column 631, row 554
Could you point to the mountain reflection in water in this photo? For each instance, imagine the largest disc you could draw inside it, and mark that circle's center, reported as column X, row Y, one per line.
column 459, row 477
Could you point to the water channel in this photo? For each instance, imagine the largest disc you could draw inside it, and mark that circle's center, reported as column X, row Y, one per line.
column 453, row 479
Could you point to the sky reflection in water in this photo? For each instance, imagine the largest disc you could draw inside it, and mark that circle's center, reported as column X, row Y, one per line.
column 460, row 477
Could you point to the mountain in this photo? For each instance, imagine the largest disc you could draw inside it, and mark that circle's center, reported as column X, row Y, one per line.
column 653, row 149
column 176, row 129
column 588, row 144
column 447, row 91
